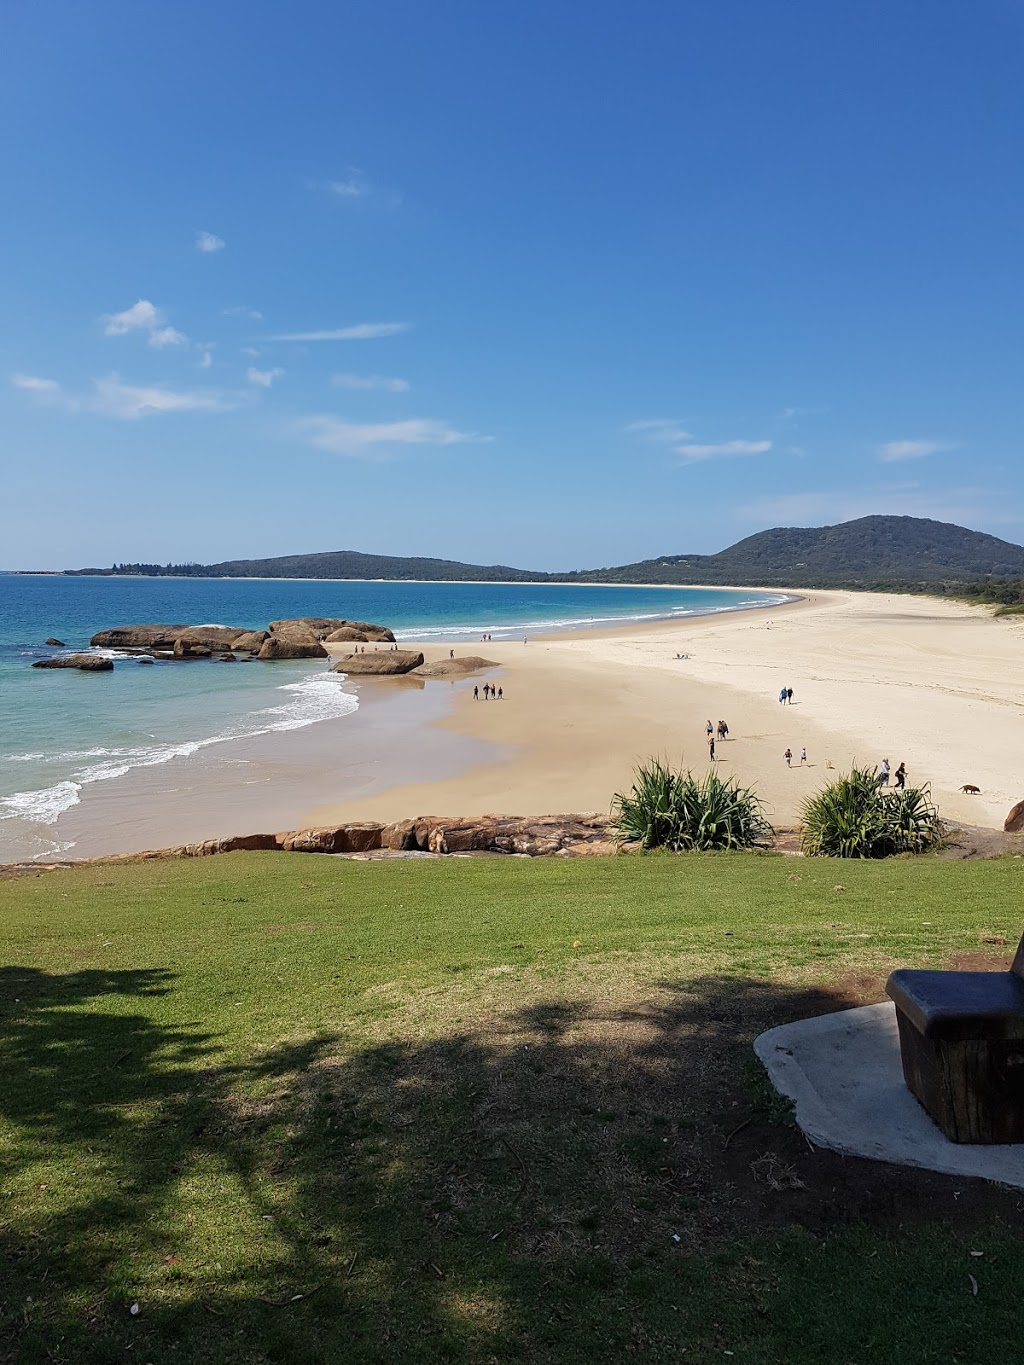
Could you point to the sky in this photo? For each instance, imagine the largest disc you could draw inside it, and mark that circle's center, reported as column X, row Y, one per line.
column 548, row 284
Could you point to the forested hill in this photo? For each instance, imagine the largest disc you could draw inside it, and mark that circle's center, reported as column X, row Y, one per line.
column 331, row 564
column 871, row 552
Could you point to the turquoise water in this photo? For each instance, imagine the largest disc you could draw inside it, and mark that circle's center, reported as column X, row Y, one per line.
column 62, row 731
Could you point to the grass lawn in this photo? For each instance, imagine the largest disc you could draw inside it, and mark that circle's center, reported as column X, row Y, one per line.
column 297, row 1108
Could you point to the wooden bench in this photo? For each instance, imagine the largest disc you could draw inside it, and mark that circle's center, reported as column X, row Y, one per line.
column 962, row 1046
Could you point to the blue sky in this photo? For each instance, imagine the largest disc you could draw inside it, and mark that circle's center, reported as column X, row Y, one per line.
column 549, row 284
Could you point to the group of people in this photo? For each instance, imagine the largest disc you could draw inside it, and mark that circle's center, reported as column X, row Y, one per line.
column 899, row 778
column 491, row 693
column 786, row 697
column 722, row 733
column 788, row 756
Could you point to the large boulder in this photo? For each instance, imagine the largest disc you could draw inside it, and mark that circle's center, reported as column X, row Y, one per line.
column 455, row 668
column 58, row 644
column 344, row 633
column 323, row 626
column 190, row 649
column 192, row 639
column 1014, row 823
column 378, row 663
column 140, row 637
column 88, row 663
column 250, row 640
column 291, row 647
column 359, row 836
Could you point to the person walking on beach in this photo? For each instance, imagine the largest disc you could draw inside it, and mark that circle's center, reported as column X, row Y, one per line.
column 500, row 694
column 451, row 654
column 709, row 729
column 476, row 694
column 711, row 747
column 883, row 773
column 901, row 777
column 788, row 756
column 789, row 695
column 782, row 697
column 803, row 757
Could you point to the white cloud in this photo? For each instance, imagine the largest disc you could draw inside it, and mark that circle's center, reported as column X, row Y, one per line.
column 370, row 440
column 241, row 311
column 367, row 382
column 251, row 350
column 128, row 402
column 354, row 186
column 362, row 331
column 209, row 242
column 166, row 336
column 141, row 316
column 33, row 383
column 724, row 450
column 910, row 450
column 205, row 358
column 660, row 429
column 262, row 378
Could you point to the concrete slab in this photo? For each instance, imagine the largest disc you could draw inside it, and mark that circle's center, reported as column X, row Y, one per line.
column 843, row 1073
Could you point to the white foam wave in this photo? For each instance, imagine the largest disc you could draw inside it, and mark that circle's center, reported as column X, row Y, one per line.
column 314, row 698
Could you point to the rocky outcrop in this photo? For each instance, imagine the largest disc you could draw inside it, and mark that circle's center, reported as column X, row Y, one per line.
column 249, row 641
column 58, row 644
column 323, row 626
column 291, row 647
column 191, row 638
column 1014, row 822
column 189, row 649
column 88, row 663
column 344, row 633
column 377, row 663
column 138, row 637
column 455, row 668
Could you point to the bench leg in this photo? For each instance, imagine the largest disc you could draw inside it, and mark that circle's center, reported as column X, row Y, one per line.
column 973, row 1089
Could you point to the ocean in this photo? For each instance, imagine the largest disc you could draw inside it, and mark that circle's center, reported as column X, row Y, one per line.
column 64, row 733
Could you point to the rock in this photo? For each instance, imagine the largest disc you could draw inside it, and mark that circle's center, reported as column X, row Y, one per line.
column 399, row 836
column 360, row 836
column 291, row 647
column 249, row 842
column 144, row 637
column 1014, row 822
column 250, row 640
column 455, row 668
column 380, row 662
column 323, row 626
column 186, row 649
column 228, row 659
column 58, row 644
column 146, row 660
column 88, row 663
column 344, row 633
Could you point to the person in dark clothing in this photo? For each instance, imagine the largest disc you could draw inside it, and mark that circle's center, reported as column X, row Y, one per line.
column 900, row 782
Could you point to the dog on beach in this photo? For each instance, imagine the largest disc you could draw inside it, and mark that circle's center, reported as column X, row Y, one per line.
column 969, row 789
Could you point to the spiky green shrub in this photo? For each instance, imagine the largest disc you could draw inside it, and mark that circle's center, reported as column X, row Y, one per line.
column 677, row 811
column 853, row 817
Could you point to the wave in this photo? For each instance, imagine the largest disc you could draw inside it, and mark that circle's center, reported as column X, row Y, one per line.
column 315, row 698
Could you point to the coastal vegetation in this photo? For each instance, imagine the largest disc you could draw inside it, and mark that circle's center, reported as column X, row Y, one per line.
column 855, row 817
column 683, row 813
column 263, row 1108
column 876, row 553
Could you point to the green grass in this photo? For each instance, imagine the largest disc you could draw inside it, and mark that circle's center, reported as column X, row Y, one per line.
column 462, row 1107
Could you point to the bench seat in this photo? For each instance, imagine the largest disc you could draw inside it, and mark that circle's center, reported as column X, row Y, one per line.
column 955, row 1005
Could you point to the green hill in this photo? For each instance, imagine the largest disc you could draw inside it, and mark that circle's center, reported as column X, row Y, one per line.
column 871, row 552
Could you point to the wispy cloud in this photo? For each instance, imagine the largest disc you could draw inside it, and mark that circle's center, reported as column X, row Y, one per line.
column 241, row 311
column 262, row 378
column 369, row 382
column 375, row 440
column 355, row 186
column 361, row 331
column 209, row 242
column 112, row 397
column 910, row 450
column 206, row 356
column 143, row 316
column 33, row 383
column 666, row 429
column 723, row 450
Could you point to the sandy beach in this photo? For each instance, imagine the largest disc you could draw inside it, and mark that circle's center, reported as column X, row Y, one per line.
column 931, row 683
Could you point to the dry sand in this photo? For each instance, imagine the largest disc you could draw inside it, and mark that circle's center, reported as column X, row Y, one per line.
column 938, row 685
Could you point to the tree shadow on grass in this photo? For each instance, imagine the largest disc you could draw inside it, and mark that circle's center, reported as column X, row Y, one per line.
column 572, row 1180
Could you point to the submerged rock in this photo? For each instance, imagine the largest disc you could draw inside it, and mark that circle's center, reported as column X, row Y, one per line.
column 88, row 663
column 59, row 644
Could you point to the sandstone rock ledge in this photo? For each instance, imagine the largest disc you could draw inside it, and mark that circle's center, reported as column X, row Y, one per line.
column 563, row 836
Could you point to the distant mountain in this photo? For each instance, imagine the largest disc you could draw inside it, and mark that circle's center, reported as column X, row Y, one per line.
column 871, row 552
column 328, row 564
